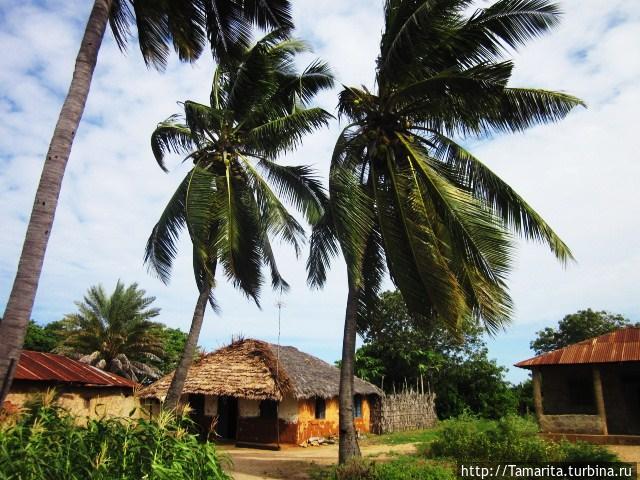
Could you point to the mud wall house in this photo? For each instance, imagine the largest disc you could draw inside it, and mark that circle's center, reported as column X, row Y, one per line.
column 84, row 390
column 256, row 392
column 591, row 387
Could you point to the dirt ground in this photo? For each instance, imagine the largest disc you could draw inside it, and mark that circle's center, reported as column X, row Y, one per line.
column 627, row 453
column 295, row 462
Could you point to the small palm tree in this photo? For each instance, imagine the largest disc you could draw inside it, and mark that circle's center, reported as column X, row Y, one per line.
column 405, row 196
column 115, row 332
column 185, row 25
column 230, row 201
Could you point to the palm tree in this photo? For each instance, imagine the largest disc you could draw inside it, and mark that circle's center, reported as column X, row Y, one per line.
column 115, row 332
column 186, row 25
column 408, row 198
column 230, row 201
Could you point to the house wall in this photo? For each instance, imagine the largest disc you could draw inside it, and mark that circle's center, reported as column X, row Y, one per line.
column 557, row 395
column 252, row 428
column 92, row 402
column 309, row 426
column 296, row 421
column 621, row 393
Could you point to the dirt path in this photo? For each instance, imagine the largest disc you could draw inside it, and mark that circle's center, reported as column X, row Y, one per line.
column 627, row 453
column 295, row 462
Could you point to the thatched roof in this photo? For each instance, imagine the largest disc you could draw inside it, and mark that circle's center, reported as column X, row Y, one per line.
column 249, row 369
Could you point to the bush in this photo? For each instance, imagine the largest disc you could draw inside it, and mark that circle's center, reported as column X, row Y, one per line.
column 45, row 442
column 403, row 468
column 510, row 439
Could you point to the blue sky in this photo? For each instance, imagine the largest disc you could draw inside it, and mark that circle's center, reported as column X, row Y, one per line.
column 581, row 174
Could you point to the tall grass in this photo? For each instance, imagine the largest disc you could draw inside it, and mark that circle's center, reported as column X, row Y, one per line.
column 510, row 439
column 45, row 442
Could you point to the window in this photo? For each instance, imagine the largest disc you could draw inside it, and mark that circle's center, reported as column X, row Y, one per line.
column 581, row 392
column 268, row 409
column 357, row 406
column 321, row 408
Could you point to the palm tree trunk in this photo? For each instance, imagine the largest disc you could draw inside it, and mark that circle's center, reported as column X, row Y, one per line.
column 180, row 375
column 18, row 311
column 348, row 447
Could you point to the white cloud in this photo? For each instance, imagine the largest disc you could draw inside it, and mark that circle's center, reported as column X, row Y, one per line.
column 580, row 174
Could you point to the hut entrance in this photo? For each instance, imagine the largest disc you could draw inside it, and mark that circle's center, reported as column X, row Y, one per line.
column 631, row 392
column 227, row 417
column 198, row 416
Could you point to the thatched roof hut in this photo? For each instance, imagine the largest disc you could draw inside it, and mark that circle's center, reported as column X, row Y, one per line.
column 258, row 370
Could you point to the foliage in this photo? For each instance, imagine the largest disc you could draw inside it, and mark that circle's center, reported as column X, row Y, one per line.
column 399, row 438
column 402, row 468
column 523, row 392
column 172, row 341
column 43, row 338
column 51, row 336
column 510, row 439
column 190, row 25
column 405, row 195
column 576, row 327
column 47, row 443
column 115, row 332
column 231, row 200
column 400, row 347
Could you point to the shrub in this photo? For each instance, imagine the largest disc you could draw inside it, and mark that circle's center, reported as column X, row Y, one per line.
column 47, row 443
column 510, row 439
column 403, row 468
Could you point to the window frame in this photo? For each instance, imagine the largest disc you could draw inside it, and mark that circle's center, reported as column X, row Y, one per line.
column 357, row 406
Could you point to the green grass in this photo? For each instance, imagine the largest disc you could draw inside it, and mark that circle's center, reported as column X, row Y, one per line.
column 399, row 438
column 405, row 467
column 415, row 436
column 465, row 438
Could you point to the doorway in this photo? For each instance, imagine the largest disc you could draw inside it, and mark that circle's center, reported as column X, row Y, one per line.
column 227, row 417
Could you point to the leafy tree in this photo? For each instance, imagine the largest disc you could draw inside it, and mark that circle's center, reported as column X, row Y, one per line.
column 407, row 196
column 115, row 332
column 230, row 201
column 576, row 327
column 185, row 25
column 523, row 393
column 50, row 337
column 43, row 338
column 401, row 349
column 173, row 341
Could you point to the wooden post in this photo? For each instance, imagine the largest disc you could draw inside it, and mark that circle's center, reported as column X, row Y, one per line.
column 599, row 397
column 537, row 395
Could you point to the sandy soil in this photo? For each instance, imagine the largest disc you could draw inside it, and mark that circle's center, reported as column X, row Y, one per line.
column 295, row 462
column 627, row 453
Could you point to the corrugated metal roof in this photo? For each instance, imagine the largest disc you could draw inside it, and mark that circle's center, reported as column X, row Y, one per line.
column 39, row 366
column 619, row 346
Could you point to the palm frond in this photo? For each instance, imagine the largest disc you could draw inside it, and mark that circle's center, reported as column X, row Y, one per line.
column 506, row 23
column 286, row 132
column 415, row 257
column 161, row 247
column 485, row 185
column 274, row 215
column 298, row 185
column 170, row 136
column 520, row 108
column 323, row 247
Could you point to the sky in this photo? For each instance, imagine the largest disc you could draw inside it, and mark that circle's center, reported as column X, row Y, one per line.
column 580, row 174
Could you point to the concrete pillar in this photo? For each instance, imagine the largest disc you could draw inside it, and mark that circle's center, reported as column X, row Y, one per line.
column 599, row 397
column 537, row 395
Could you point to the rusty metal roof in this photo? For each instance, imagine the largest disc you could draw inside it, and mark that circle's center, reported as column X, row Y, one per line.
column 49, row 367
column 619, row 346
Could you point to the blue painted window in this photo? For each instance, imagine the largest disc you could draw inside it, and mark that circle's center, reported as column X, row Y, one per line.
column 357, row 406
